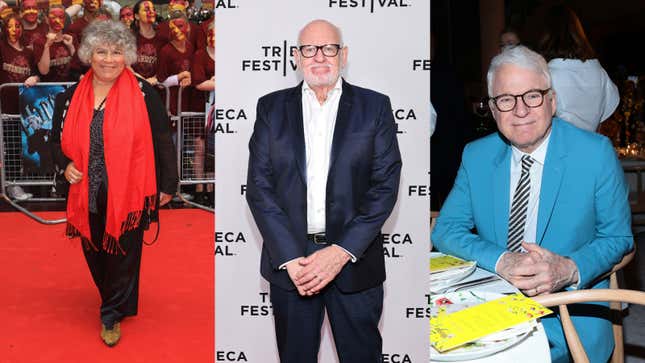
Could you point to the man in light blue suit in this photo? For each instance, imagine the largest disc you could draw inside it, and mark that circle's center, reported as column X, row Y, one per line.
column 542, row 203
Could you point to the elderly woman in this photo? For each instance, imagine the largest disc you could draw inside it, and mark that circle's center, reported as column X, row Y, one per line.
column 117, row 153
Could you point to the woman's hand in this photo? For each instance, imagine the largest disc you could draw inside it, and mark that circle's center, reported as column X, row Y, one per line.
column 68, row 40
column 164, row 198
column 31, row 81
column 72, row 174
column 50, row 39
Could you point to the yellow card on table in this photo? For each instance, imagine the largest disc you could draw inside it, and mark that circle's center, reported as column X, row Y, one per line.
column 449, row 331
column 446, row 262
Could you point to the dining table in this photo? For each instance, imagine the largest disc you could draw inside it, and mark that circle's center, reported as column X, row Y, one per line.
column 534, row 349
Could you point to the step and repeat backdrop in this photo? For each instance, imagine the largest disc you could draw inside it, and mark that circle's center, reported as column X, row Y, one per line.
column 389, row 49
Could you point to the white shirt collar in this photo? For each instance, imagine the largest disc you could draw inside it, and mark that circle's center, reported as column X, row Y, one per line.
column 539, row 154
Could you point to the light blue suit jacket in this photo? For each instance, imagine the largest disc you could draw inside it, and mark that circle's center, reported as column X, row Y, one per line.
column 583, row 214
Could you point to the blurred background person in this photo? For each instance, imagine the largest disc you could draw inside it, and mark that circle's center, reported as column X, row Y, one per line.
column 196, row 37
column 54, row 53
column 115, row 133
column 149, row 44
column 203, row 72
column 509, row 36
column 585, row 94
column 32, row 28
column 18, row 66
column 126, row 15
column 174, row 61
column 90, row 11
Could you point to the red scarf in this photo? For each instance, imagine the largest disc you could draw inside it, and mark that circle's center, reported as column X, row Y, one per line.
column 129, row 160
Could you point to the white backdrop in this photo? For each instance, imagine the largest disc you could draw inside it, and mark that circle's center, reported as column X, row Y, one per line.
column 389, row 43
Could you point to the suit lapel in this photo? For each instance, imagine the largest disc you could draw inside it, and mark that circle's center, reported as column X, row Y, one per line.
column 501, row 186
column 294, row 115
column 342, row 121
column 552, row 174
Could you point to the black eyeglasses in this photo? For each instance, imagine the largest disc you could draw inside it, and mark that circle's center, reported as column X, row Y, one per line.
column 531, row 98
column 328, row 50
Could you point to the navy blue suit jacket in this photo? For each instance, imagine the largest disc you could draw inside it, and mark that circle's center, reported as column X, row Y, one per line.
column 362, row 183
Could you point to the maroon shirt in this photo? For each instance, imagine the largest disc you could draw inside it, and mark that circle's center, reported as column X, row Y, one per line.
column 59, row 64
column 17, row 66
column 172, row 62
column 77, row 27
column 196, row 37
column 203, row 69
column 147, row 55
column 30, row 36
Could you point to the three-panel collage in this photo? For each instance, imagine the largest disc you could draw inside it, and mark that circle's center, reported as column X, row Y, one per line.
column 322, row 181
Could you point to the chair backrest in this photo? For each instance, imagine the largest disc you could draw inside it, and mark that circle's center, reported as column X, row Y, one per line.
column 562, row 299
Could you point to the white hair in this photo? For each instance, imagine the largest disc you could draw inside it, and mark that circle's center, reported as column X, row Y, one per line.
column 519, row 56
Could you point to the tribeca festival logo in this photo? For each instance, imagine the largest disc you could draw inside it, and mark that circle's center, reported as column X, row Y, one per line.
column 421, row 64
column 225, row 4
column 401, row 117
column 272, row 58
column 418, row 190
column 227, row 242
column 419, row 312
column 371, row 4
column 230, row 356
column 225, row 119
column 260, row 308
column 395, row 244
column 396, row 358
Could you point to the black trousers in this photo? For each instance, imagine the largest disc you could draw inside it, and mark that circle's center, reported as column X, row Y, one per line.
column 353, row 317
column 116, row 276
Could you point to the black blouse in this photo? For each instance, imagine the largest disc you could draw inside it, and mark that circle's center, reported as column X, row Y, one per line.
column 164, row 149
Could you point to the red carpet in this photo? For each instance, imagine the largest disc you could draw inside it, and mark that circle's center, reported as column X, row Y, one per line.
column 49, row 304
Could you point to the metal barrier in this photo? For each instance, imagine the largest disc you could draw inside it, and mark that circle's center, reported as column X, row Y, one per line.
column 194, row 164
column 13, row 171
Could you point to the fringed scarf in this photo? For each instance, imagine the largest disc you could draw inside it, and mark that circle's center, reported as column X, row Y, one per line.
column 129, row 161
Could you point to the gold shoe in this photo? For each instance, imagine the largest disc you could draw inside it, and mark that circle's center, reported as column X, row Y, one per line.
column 111, row 336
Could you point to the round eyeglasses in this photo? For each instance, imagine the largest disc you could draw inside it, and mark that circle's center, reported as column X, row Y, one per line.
column 328, row 50
column 531, row 98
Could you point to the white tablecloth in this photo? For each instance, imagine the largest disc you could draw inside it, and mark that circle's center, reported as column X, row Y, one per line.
column 535, row 349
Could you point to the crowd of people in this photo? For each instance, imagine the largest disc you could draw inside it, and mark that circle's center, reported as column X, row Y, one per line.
column 40, row 41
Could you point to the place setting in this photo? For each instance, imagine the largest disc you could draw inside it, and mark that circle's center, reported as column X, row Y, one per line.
column 469, row 323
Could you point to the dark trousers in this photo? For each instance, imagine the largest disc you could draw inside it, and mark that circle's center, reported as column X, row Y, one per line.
column 353, row 317
column 116, row 276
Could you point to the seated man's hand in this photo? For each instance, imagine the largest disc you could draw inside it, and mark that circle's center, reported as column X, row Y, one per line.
column 537, row 272
column 320, row 268
column 293, row 268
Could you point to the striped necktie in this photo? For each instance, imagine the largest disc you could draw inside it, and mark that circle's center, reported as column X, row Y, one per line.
column 517, row 219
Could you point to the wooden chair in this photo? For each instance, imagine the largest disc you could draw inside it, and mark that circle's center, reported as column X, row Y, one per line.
column 562, row 299
column 616, row 315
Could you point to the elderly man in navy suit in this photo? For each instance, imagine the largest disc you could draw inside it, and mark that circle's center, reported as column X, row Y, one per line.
column 323, row 177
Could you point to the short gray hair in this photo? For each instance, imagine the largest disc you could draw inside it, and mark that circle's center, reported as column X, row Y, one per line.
column 519, row 56
column 111, row 33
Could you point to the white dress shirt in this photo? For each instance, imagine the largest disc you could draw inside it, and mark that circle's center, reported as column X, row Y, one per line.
column 535, row 173
column 318, row 123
